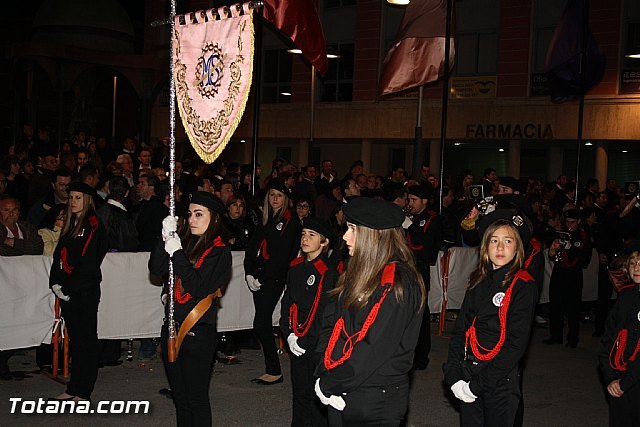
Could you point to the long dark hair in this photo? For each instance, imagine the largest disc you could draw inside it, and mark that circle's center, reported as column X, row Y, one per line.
column 373, row 251
column 485, row 266
column 205, row 241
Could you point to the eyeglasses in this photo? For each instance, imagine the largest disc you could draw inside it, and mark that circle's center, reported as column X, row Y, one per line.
column 304, row 206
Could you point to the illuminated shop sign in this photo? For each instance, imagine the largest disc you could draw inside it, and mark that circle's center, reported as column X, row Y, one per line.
column 509, row 131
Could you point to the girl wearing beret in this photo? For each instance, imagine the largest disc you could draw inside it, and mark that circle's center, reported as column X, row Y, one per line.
column 266, row 262
column 75, row 279
column 492, row 330
column 620, row 347
column 202, row 265
column 370, row 328
column 308, row 283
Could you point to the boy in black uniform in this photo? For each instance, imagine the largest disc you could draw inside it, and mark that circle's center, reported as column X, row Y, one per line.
column 565, row 287
column 308, row 282
column 424, row 236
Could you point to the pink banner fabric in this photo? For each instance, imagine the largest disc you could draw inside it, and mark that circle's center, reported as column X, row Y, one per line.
column 213, row 66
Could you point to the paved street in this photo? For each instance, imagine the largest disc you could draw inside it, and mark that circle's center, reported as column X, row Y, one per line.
column 561, row 389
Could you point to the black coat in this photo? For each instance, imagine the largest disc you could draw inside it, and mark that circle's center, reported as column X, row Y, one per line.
column 122, row 235
column 303, row 281
column 385, row 356
column 212, row 271
column 625, row 314
column 480, row 305
column 271, row 249
column 77, row 260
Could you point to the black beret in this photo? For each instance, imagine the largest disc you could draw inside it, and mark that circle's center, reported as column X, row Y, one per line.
column 514, row 201
column 373, row 213
column 278, row 184
column 81, row 187
column 572, row 213
column 517, row 219
column 208, row 200
column 319, row 226
column 421, row 191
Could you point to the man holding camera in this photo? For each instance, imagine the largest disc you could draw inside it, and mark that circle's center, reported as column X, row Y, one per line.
column 570, row 252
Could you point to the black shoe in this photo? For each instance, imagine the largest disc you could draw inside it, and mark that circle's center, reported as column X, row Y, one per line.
column 111, row 363
column 166, row 392
column 260, row 381
column 550, row 341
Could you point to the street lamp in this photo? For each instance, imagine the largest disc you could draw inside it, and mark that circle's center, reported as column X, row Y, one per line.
column 330, row 55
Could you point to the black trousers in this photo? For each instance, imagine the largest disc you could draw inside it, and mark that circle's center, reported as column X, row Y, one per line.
column 423, row 346
column 264, row 301
column 605, row 288
column 190, row 375
column 109, row 350
column 624, row 411
column 497, row 408
column 307, row 409
column 81, row 318
column 372, row 406
column 565, row 295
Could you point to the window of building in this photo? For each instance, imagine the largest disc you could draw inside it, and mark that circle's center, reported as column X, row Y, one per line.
column 546, row 15
column 276, row 69
column 630, row 69
column 337, row 84
column 476, row 37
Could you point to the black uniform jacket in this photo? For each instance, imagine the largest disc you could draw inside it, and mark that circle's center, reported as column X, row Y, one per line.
column 424, row 236
column 77, row 260
column 625, row 314
column 482, row 304
column 303, row 284
column 210, row 272
column 385, row 356
column 271, row 249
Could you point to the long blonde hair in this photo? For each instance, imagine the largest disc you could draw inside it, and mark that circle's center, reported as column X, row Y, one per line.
column 486, row 266
column 373, row 251
column 74, row 223
column 267, row 210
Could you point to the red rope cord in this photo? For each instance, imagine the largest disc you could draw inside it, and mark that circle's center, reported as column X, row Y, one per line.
column 302, row 330
column 616, row 355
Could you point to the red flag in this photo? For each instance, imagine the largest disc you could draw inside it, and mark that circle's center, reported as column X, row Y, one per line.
column 299, row 20
column 417, row 57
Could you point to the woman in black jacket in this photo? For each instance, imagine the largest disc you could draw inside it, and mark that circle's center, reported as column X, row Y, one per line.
column 620, row 348
column 266, row 263
column 239, row 227
column 370, row 328
column 201, row 268
column 492, row 330
column 75, row 279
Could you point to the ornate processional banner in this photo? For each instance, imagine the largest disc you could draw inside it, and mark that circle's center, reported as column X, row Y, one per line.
column 213, row 66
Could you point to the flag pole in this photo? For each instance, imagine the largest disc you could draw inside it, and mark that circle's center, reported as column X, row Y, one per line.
column 445, row 100
column 418, row 148
column 583, row 64
column 257, row 73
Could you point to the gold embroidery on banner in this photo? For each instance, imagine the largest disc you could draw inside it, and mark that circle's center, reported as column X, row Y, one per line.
column 206, row 135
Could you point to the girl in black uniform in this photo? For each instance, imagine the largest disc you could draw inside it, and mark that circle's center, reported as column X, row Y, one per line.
column 269, row 252
column 620, row 348
column 201, row 268
column 75, row 278
column 493, row 327
column 309, row 280
column 370, row 329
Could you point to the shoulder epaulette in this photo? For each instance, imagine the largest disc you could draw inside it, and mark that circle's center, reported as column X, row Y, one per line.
column 296, row 261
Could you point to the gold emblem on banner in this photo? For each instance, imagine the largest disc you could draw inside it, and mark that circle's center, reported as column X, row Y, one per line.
column 209, row 70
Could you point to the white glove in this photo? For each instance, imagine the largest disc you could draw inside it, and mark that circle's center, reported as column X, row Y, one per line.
column 57, row 289
column 336, row 402
column 466, row 390
column 169, row 227
column 164, row 298
column 292, row 340
column 253, row 283
column 171, row 245
column 458, row 391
